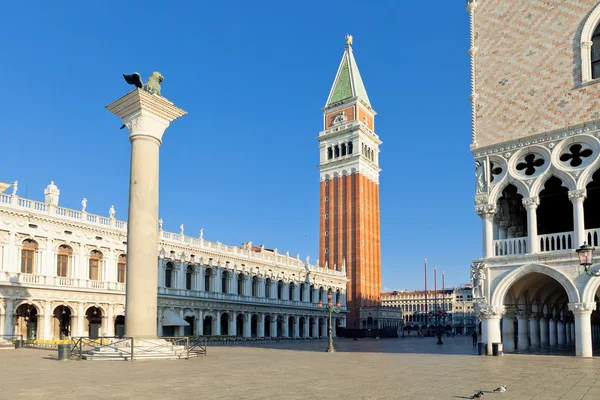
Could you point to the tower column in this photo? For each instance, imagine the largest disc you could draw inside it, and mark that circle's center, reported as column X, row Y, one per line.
column 146, row 129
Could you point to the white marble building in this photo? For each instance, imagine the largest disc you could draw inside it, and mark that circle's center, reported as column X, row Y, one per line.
column 63, row 273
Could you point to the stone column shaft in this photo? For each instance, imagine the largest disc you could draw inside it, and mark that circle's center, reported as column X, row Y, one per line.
column 488, row 235
column 523, row 328
column 583, row 328
column 577, row 197
column 532, row 241
column 534, row 331
column 544, row 332
column 508, row 333
column 560, row 332
column 552, row 340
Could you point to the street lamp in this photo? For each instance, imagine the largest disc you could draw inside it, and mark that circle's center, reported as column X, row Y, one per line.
column 332, row 309
column 586, row 255
column 437, row 316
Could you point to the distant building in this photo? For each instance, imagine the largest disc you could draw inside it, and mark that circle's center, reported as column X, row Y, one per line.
column 452, row 308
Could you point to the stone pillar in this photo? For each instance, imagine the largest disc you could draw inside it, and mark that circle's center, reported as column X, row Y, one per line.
column 552, row 330
column 508, row 331
column 544, row 331
column 532, row 204
column 274, row 327
column 247, row 325
column 81, row 320
column 568, row 332
column 47, row 318
column 297, row 326
column 573, row 331
column 560, row 332
column 146, row 116
column 284, row 330
column 487, row 220
column 9, row 318
column 306, row 327
column 577, row 197
column 180, row 329
column 231, row 324
column 199, row 328
column 583, row 338
column 110, row 321
column 315, row 328
column 260, row 328
column 534, row 330
column 523, row 325
column 490, row 324
column 217, row 324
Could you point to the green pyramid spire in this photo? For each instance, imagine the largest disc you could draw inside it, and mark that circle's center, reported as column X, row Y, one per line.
column 348, row 82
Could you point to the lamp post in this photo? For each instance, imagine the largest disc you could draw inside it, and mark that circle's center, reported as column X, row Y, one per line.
column 439, row 314
column 331, row 309
column 586, row 255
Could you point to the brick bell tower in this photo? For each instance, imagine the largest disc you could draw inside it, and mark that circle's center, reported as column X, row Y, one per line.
column 349, row 173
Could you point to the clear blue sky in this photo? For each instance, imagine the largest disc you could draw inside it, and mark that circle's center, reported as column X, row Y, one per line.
column 253, row 77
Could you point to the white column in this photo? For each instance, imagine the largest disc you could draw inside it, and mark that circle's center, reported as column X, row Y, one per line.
column 159, row 327
column 218, row 282
column 217, row 324
column 199, row 328
column 297, row 326
column 284, row 330
column 305, row 328
column 260, row 329
column 573, row 331
column 231, row 325
column 9, row 318
column 508, row 331
column 315, row 328
column 532, row 204
column 534, row 330
column 577, row 197
column 583, row 338
column 552, row 330
column 274, row 327
column 487, row 220
column 110, row 321
column 81, row 331
column 523, row 325
column 544, row 331
column 568, row 332
column 560, row 332
column 247, row 325
column 146, row 116
column 490, row 325
column 180, row 330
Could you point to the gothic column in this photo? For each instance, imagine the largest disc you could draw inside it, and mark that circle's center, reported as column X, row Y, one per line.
column 577, row 197
column 552, row 330
column 583, row 325
column 522, row 326
column 532, row 204
column 544, row 331
column 486, row 212
column 490, row 324
column 534, row 330
column 147, row 117
column 508, row 330
column 560, row 332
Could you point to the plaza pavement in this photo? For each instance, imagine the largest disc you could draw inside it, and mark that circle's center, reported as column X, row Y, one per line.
column 364, row 369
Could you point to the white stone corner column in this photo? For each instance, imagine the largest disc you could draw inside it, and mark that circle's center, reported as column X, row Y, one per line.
column 531, row 204
column 577, row 197
column 583, row 328
column 486, row 212
column 490, row 324
column 147, row 116
column 508, row 330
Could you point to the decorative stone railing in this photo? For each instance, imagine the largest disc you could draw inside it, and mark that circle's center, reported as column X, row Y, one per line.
column 556, row 241
column 508, row 247
column 111, row 223
column 33, row 279
column 592, row 236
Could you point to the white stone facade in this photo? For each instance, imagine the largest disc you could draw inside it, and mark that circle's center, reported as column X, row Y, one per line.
column 62, row 273
column 536, row 144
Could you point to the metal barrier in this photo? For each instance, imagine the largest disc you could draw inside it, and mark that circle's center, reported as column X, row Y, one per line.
column 83, row 344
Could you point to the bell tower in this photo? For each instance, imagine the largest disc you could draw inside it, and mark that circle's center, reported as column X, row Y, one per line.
column 349, row 174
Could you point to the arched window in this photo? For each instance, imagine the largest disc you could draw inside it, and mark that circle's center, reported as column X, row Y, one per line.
column 62, row 261
column 302, row 291
column 95, row 262
column 224, row 281
column 169, row 275
column 268, row 288
column 121, row 268
column 311, row 294
column 240, row 284
column 595, row 55
column 254, row 286
column 292, row 287
column 337, row 151
column 28, row 256
column 350, row 145
column 207, row 276
column 321, row 294
column 590, row 47
column 338, row 297
column 343, row 149
column 329, row 153
column 279, row 290
column 189, row 277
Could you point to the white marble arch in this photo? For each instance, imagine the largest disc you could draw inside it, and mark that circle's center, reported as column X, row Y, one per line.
column 499, row 291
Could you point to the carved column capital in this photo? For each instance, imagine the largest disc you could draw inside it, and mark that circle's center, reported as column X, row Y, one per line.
column 471, row 5
column 486, row 311
column 486, row 210
column 582, row 308
column 523, row 314
column 586, row 45
column 510, row 312
column 531, row 202
column 577, row 195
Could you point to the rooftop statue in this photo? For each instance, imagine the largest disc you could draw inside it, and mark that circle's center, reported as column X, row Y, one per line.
column 152, row 86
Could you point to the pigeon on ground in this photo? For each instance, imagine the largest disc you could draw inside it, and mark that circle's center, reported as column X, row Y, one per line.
column 477, row 395
column 500, row 389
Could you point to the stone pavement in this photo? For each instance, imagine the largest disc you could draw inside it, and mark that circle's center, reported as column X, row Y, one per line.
column 363, row 369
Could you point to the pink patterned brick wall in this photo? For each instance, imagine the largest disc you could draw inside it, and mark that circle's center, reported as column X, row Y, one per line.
column 528, row 68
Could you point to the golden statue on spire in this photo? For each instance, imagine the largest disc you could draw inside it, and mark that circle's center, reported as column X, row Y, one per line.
column 348, row 40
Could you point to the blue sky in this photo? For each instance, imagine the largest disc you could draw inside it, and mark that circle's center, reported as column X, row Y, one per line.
column 253, row 77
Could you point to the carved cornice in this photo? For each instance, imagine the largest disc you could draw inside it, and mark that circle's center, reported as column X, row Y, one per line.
column 582, row 307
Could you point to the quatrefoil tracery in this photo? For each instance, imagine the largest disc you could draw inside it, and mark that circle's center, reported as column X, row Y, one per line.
column 530, row 163
column 495, row 170
column 575, row 156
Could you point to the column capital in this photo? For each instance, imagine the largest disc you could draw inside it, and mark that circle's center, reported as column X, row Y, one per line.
column 486, row 210
column 577, row 195
column 531, row 202
column 582, row 308
column 486, row 311
column 523, row 314
column 535, row 316
column 510, row 312
column 471, row 5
